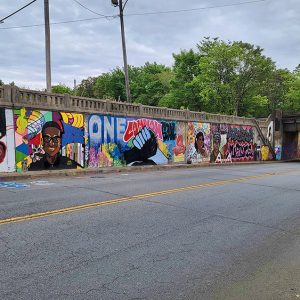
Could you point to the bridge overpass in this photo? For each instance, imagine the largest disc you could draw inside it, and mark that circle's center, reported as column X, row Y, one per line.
column 284, row 134
column 291, row 135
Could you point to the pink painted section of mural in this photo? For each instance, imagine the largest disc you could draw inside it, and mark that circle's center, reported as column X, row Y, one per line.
column 7, row 145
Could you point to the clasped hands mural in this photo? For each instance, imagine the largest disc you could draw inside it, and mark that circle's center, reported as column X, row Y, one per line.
column 44, row 140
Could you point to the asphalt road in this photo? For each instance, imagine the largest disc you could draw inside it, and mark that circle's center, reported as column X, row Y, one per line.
column 230, row 232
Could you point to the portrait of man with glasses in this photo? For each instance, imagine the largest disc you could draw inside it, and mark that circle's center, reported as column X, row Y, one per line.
column 52, row 134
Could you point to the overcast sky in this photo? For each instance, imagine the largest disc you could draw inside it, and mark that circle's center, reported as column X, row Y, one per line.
column 89, row 48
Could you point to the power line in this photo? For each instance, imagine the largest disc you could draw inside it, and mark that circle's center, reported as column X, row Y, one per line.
column 194, row 9
column 92, row 11
column 135, row 14
column 1, row 21
column 57, row 23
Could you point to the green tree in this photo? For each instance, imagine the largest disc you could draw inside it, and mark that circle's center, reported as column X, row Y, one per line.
column 183, row 92
column 61, row 89
column 150, row 83
column 86, row 88
column 110, row 85
column 291, row 102
column 231, row 75
column 1, row 82
column 275, row 88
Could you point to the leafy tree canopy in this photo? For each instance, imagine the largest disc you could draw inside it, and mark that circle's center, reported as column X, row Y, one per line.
column 218, row 77
column 61, row 89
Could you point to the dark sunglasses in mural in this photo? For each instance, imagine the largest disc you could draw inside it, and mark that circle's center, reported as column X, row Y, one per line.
column 54, row 139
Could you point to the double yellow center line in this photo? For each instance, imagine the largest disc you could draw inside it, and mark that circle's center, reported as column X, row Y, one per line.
column 130, row 198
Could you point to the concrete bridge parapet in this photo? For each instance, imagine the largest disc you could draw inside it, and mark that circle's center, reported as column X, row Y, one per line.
column 12, row 96
column 100, row 132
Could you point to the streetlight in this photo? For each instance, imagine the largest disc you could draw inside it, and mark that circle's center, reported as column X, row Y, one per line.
column 121, row 9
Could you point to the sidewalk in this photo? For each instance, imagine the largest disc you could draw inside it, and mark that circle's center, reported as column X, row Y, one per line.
column 110, row 170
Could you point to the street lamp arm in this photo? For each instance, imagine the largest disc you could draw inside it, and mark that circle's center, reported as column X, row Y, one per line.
column 124, row 5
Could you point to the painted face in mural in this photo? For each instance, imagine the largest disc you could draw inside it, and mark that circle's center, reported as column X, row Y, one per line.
column 51, row 139
column 200, row 140
column 2, row 152
column 199, row 144
column 216, row 142
column 216, row 147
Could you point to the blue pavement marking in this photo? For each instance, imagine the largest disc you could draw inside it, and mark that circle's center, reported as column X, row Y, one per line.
column 13, row 185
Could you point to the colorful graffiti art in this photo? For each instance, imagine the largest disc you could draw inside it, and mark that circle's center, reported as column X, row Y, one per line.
column 7, row 157
column 151, row 142
column 179, row 149
column 265, row 153
column 231, row 143
column 2, row 134
column 278, row 152
column 105, row 140
column 270, row 132
column 198, row 149
column 240, row 143
column 115, row 141
column 48, row 140
column 218, row 149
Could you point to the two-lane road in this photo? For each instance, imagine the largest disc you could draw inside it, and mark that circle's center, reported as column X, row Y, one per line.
column 228, row 232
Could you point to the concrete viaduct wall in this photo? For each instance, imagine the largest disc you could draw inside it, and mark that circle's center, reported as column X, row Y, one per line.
column 39, row 130
column 283, row 133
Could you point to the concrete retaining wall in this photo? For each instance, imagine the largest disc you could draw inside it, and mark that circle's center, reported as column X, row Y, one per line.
column 41, row 130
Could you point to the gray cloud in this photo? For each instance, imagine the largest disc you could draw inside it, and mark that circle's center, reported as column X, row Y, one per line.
column 89, row 48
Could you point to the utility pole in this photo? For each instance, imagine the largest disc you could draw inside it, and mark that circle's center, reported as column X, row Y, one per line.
column 121, row 10
column 47, row 45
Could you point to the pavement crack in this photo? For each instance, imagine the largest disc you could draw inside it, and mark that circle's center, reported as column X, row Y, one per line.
column 256, row 223
column 272, row 186
column 222, row 216
column 97, row 190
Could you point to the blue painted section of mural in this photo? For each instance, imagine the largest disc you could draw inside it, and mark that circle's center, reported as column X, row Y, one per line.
column 116, row 140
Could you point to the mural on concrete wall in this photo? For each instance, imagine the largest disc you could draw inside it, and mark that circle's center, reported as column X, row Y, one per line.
column 218, row 149
column 270, row 132
column 45, row 140
column 115, row 141
column 265, row 153
column 198, row 149
column 240, row 143
column 3, row 146
column 231, row 143
column 105, row 140
column 180, row 142
column 278, row 152
column 48, row 140
column 7, row 157
column 290, row 145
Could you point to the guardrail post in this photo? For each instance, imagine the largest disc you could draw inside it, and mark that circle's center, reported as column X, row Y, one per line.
column 141, row 111
column 187, row 114
column 67, row 100
column 166, row 112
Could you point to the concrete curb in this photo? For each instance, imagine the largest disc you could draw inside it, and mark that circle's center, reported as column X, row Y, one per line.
column 110, row 170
